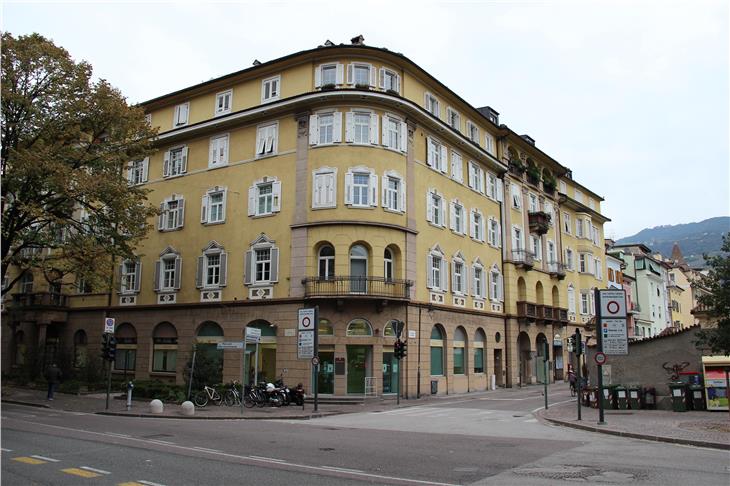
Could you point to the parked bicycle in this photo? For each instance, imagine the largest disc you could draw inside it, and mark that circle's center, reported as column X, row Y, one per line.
column 232, row 395
column 207, row 394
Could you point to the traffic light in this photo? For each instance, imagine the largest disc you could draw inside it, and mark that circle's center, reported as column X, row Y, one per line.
column 403, row 349
column 397, row 349
column 571, row 344
column 112, row 348
column 105, row 346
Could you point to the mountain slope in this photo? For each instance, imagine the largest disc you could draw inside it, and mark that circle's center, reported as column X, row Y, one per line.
column 694, row 239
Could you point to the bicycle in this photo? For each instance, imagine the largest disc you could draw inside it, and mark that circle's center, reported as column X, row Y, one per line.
column 232, row 396
column 207, row 394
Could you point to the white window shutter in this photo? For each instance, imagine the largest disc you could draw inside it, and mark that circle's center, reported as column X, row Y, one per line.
column 224, row 269
column 276, row 189
column 337, row 127
column 453, row 276
column 373, row 76
column 403, row 137
column 465, row 279
column 472, row 226
column 213, row 151
column 384, row 138
column 248, row 267
column 500, row 190
column 199, row 272
column 318, row 77
column 429, row 271
column 180, row 213
column 500, row 287
column 384, row 192
column 184, row 160
column 452, row 214
column 402, row 196
column 429, row 152
column 156, row 283
column 330, row 189
column 382, row 78
column 442, row 210
column 444, row 284
column 340, row 74
column 178, row 273
column 161, row 217
column 349, row 127
column 443, row 158
column 499, row 234
column 348, row 188
column 429, row 207
column 204, row 209
column 313, row 130
column 130, row 172
column 252, row 201
column 274, row 265
column 145, row 169
column 137, row 276
column 317, row 190
column 225, row 203
column 373, row 189
column 166, row 165
column 350, row 73
column 373, row 127
column 470, row 182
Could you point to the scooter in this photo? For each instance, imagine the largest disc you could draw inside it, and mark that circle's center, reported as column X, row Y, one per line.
column 298, row 395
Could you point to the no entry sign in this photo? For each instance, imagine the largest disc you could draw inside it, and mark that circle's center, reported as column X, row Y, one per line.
column 613, row 304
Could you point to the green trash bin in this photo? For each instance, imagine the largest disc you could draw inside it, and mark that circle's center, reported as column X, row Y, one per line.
column 621, row 395
column 679, row 396
column 697, row 397
column 608, row 397
column 634, row 393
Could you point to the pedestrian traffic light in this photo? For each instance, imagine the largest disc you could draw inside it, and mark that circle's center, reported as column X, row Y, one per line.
column 571, row 344
column 112, row 348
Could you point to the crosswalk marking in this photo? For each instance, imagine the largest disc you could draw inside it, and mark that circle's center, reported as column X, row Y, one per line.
column 80, row 472
column 100, row 471
column 29, row 460
column 47, row 459
column 150, row 483
column 130, row 483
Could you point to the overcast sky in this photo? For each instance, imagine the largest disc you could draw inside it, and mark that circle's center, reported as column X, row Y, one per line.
column 631, row 95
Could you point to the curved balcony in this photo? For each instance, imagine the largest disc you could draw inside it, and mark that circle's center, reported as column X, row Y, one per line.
column 523, row 258
column 345, row 286
column 556, row 269
column 539, row 222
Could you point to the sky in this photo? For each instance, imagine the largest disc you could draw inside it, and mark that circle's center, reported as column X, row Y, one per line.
column 633, row 96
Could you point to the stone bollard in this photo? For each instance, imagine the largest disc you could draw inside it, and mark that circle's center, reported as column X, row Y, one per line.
column 188, row 408
column 156, row 406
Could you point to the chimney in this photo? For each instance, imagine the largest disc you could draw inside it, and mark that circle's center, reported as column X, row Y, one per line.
column 528, row 139
column 358, row 41
column 491, row 114
column 256, row 62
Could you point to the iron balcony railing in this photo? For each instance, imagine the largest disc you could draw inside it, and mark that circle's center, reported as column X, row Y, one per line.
column 556, row 269
column 40, row 299
column 355, row 286
column 523, row 256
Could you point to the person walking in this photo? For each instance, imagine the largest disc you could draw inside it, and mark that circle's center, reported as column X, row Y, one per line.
column 53, row 376
column 572, row 379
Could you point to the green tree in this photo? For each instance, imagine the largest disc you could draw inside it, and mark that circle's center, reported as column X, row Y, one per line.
column 66, row 142
column 717, row 301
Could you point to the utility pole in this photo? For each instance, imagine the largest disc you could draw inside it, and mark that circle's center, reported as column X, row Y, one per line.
column 578, row 351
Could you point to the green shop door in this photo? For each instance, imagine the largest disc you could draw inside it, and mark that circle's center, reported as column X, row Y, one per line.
column 326, row 378
column 358, row 361
column 390, row 365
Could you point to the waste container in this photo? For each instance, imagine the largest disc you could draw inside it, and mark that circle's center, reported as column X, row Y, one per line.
column 608, row 397
column 634, row 397
column 621, row 397
column 679, row 396
column 649, row 398
column 434, row 387
column 697, row 397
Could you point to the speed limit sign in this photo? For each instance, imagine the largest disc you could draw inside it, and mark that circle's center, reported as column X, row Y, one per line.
column 600, row 359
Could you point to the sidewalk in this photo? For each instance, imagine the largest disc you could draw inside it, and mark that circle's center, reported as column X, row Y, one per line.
column 703, row 429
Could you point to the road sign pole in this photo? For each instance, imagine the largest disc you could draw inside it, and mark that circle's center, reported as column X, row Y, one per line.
column 578, row 344
column 108, row 384
column 599, row 367
column 315, row 382
column 545, row 367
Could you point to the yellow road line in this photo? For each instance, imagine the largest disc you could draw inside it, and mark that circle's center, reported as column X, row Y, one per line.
column 131, row 483
column 29, row 460
column 80, row 472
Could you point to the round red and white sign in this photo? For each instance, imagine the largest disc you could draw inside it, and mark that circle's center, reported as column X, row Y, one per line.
column 600, row 359
column 613, row 307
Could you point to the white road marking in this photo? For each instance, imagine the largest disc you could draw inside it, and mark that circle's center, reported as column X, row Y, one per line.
column 267, row 458
column 335, row 468
column 506, row 399
column 43, row 458
column 158, row 441
column 204, row 449
column 99, row 471
column 149, row 483
column 556, row 403
column 117, row 435
column 4, row 449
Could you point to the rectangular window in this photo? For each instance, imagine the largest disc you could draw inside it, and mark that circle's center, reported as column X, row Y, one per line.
column 563, row 188
column 432, row 105
column 453, row 118
column 478, row 360
column 536, row 246
column 360, row 189
column 569, row 259
column 472, row 131
column 262, row 266
column 125, row 356
column 177, row 161
column 477, row 226
column 516, row 196
column 265, row 199
column 476, row 177
column 436, row 272
column 584, row 304
column 599, row 269
column 459, row 222
column 213, row 270
column 218, row 151
column 266, row 143
column 329, row 75
column 457, row 167
column 579, row 228
column 437, row 361
column 392, row 193
column 361, row 127
column 393, row 136
column 458, row 277
column 137, row 171
column 324, row 190
column 566, row 223
column 223, row 102
column 270, row 89
column 436, row 156
column 389, row 80
column 489, row 143
column 478, row 282
column 181, row 115
column 495, row 286
column 494, row 236
column 168, row 274
column 164, row 360
column 171, row 215
column 326, row 128
column 361, row 74
column 533, row 205
column 459, row 361
column 491, row 185
column 128, row 277
column 578, row 196
column 216, row 201
column 437, row 210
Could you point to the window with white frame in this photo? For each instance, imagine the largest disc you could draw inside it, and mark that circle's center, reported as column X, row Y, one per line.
column 491, row 185
column 361, row 187
column 213, row 206
column 547, row 206
column 361, row 127
column 494, row 232
column 457, row 167
column 598, row 269
column 328, row 75
column 223, row 102
column 264, row 197
column 517, row 238
column 453, row 118
column 393, row 192
column 432, row 105
column 516, row 192
column 472, row 132
column 435, row 208
column 563, row 187
column 458, row 217
column 571, row 299
column 551, row 253
column 591, row 203
column 436, row 270
column 569, row 260
column 536, row 246
column 476, row 177
column 326, row 262
column 585, row 263
column 361, row 74
column 175, row 161
column 584, row 302
column 459, row 275
column 324, row 188
column 394, row 133
column 389, row 80
column 533, row 205
column 270, row 89
column 181, row 115
column 436, row 155
column 326, row 125
column 578, row 196
column 211, row 271
column 567, row 225
column 137, row 171
column 172, row 213
column 596, row 235
column 167, row 271
column 578, row 228
column 489, row 143
column 266, row 139
column 388, row 265
column 496, row 284
column 218, row 155
column 262, row 262
column 479, row 290
column 477, row 225
column 129, row 275
column 325, row 128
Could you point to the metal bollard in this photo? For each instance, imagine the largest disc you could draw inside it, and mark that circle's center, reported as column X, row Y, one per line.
column 130, row 385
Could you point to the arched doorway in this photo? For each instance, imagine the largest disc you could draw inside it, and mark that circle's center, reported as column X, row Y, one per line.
column 358, row 269
column 209, row 359
column 266, row 364
column 523, row 345
column 359, row 356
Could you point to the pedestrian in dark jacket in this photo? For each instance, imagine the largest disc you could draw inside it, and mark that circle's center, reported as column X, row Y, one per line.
column 53, row 376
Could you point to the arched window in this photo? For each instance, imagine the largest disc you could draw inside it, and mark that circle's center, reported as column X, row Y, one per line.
column 358, row 269
column 388, row 264
column 388, row 330
column 164, row 348
column 325, row 327
column 80, row 349
column 326, row 262
column 126, row 356
column 459, row 351
column 479, row 345
column 206, row 344
column 359, row 327
column 437, row 351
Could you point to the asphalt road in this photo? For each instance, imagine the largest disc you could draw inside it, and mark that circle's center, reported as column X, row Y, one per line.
column 491, row 439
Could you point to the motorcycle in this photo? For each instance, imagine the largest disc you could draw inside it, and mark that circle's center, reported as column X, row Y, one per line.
column 285, row 391
column 274, row 395
column 298, row 395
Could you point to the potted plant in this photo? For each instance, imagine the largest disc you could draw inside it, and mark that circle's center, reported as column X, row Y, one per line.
column 533, row 174
column 516, row 166
column 549, row 184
